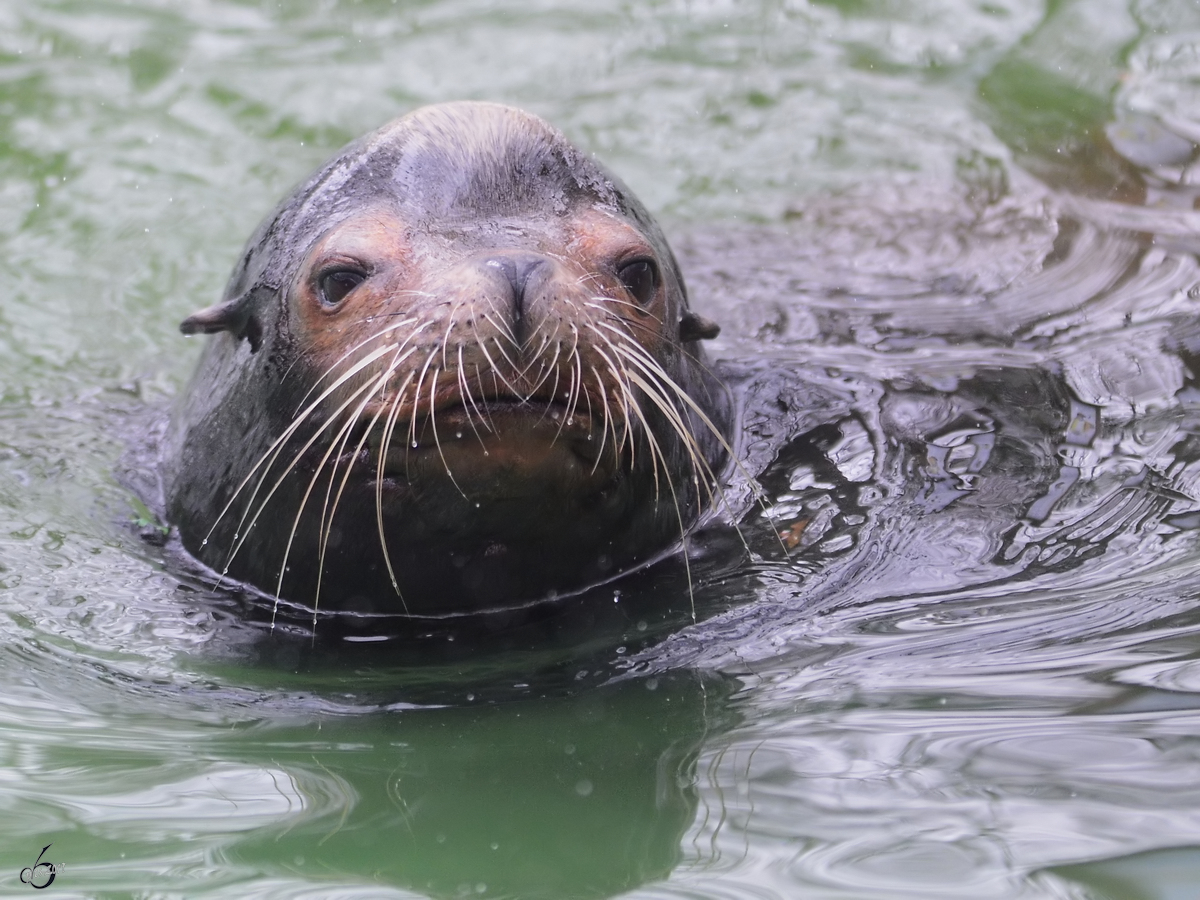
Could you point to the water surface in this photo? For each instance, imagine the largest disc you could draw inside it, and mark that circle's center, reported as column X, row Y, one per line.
column 954, row 249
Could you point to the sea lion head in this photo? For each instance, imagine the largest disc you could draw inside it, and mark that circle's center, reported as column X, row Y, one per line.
column 455, row 370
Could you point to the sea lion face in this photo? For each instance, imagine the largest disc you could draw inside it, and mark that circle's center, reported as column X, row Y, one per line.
column 502, row 361
column 470, row 379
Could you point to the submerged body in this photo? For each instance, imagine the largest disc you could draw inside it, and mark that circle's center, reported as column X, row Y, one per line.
column 455, row 370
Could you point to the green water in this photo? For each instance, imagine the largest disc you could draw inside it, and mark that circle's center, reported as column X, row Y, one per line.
column 884, row 724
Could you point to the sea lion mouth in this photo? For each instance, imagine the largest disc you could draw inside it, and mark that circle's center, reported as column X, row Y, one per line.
column 497, row 448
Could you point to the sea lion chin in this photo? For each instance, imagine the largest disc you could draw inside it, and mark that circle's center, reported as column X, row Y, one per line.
column 454, row 370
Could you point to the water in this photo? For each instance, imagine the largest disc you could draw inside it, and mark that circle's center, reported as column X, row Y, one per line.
column 953, row 246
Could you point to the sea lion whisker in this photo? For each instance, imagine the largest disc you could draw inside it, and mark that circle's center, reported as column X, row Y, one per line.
column 547, row 368
column 557, row 379
column 587, row 394
column 567, row 414
column 480, row 342
column 656, row 452
column 385, row 442
column 534, row 357
column 575, row 386
column 506, row 323
column 628, row 403
column 468, row 400
column 621, row 381
column 604, row 304
column 450, row 321
column 411, row 292
column 756, row 489
column 332, row 367
column 247, row 522
column 605, row 427
column 576, row 373
column 507, row 332
column 327, row 510
column 700, row 466
column 658, row 455
column 627, row 329
column 491, row 423
column 652, row 387
column 376, row 335
column 272, row 452
column 557, row 370
column 412, row 422
column 369, row 390
column 400, row 354
column 665, row 387
column 494, row 370
column 437, row 441
column 586, row 277
column 662, row 400
column 651, row 364
column 623, row 333
column 503, row 327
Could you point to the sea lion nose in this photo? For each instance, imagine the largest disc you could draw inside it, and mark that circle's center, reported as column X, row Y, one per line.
column 517, row 267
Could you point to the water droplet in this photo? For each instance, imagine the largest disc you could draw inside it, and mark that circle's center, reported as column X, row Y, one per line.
column 415, row 445
column 470, row 697
column 204, row 543
column 583, row 787
column 458, row 434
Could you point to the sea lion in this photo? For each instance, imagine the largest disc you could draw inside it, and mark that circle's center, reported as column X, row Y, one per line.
column 455, row 370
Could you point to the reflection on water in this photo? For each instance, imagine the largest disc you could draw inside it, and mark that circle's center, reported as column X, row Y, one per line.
column 574, row 798
column 915, row 453
column 942, row 638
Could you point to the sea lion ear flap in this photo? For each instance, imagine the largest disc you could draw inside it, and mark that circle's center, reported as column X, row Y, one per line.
column 238, row 316
column 693, row 327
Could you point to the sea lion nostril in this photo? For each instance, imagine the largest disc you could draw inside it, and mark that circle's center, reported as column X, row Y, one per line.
column 517, row 268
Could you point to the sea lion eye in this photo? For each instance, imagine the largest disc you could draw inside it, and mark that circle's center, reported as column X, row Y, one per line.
column 640, row 277
column 335, row 284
